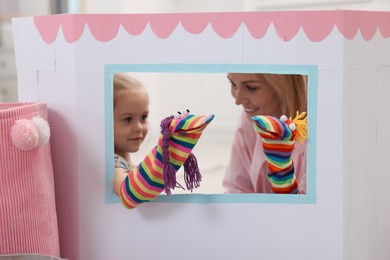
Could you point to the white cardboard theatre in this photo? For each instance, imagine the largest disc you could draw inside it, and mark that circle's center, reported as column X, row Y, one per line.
column 67, row 60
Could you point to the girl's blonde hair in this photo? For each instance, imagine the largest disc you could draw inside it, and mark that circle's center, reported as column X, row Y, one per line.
column 291, row 90
column 125, row 82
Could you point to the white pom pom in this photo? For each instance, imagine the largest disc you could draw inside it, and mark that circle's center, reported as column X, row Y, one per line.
column 24, row 135
column 43, row 129
column 292, row 126
column 283, row 118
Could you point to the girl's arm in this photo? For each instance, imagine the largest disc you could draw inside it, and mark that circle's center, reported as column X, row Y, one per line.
column 157, row 172
column 119, row 176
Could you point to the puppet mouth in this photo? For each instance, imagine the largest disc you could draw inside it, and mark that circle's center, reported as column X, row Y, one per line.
column 205, row 120
column 272, row 134
column 266, row 127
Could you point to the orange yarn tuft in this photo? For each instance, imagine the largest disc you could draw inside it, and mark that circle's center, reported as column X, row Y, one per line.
column 300, row 121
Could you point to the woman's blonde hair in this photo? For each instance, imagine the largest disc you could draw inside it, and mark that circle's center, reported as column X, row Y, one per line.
column 125, row 82
column 291, row 90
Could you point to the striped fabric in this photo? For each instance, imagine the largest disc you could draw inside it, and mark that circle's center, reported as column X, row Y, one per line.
column 146, row 181
column 278, row 143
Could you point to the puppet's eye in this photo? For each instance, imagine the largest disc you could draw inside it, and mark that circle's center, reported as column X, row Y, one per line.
column 177, row 114
column 283, row 118
column 181, row 114
column 292, row 126
column 186, row 112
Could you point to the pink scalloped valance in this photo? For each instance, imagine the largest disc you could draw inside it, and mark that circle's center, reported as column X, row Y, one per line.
column 317, row 25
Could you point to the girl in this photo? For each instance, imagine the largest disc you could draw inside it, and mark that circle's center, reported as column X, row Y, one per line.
column 131, row 109
column 263, row 94
column 157, row 172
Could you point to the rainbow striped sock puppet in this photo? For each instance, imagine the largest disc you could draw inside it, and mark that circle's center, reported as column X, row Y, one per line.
column 278, row 136
column 157, row 172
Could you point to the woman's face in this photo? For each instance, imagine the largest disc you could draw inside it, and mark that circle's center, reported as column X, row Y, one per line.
column 254, row 94
column 130, row 121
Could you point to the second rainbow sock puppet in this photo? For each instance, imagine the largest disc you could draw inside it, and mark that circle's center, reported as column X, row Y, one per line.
column 278, row 136
column 157, row 172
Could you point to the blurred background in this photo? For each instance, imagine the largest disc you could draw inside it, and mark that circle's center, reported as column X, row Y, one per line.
column 202, row 99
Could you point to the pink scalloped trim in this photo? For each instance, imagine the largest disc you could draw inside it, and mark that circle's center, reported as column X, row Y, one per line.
column 316, row 24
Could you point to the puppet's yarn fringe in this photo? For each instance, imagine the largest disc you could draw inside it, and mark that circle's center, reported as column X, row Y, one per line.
column 192, row 175
column 300, row 121
column 169, row 173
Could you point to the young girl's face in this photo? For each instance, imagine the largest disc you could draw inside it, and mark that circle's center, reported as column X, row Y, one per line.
column 255, row 94
column 130, row 121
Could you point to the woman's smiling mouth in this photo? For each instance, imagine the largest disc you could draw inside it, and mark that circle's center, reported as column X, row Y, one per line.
column 250, row 110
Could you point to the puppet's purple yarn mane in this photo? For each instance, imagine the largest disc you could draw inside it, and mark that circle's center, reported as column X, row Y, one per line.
column 192, row 174
column 169, row 173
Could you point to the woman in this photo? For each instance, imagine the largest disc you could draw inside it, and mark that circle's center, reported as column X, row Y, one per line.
column 263, row 94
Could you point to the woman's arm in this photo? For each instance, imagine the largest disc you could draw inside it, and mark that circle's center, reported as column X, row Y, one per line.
column 299, row 158
column 237, row 177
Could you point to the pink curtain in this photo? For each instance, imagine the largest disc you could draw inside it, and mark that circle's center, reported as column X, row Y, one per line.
column 28, row 220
